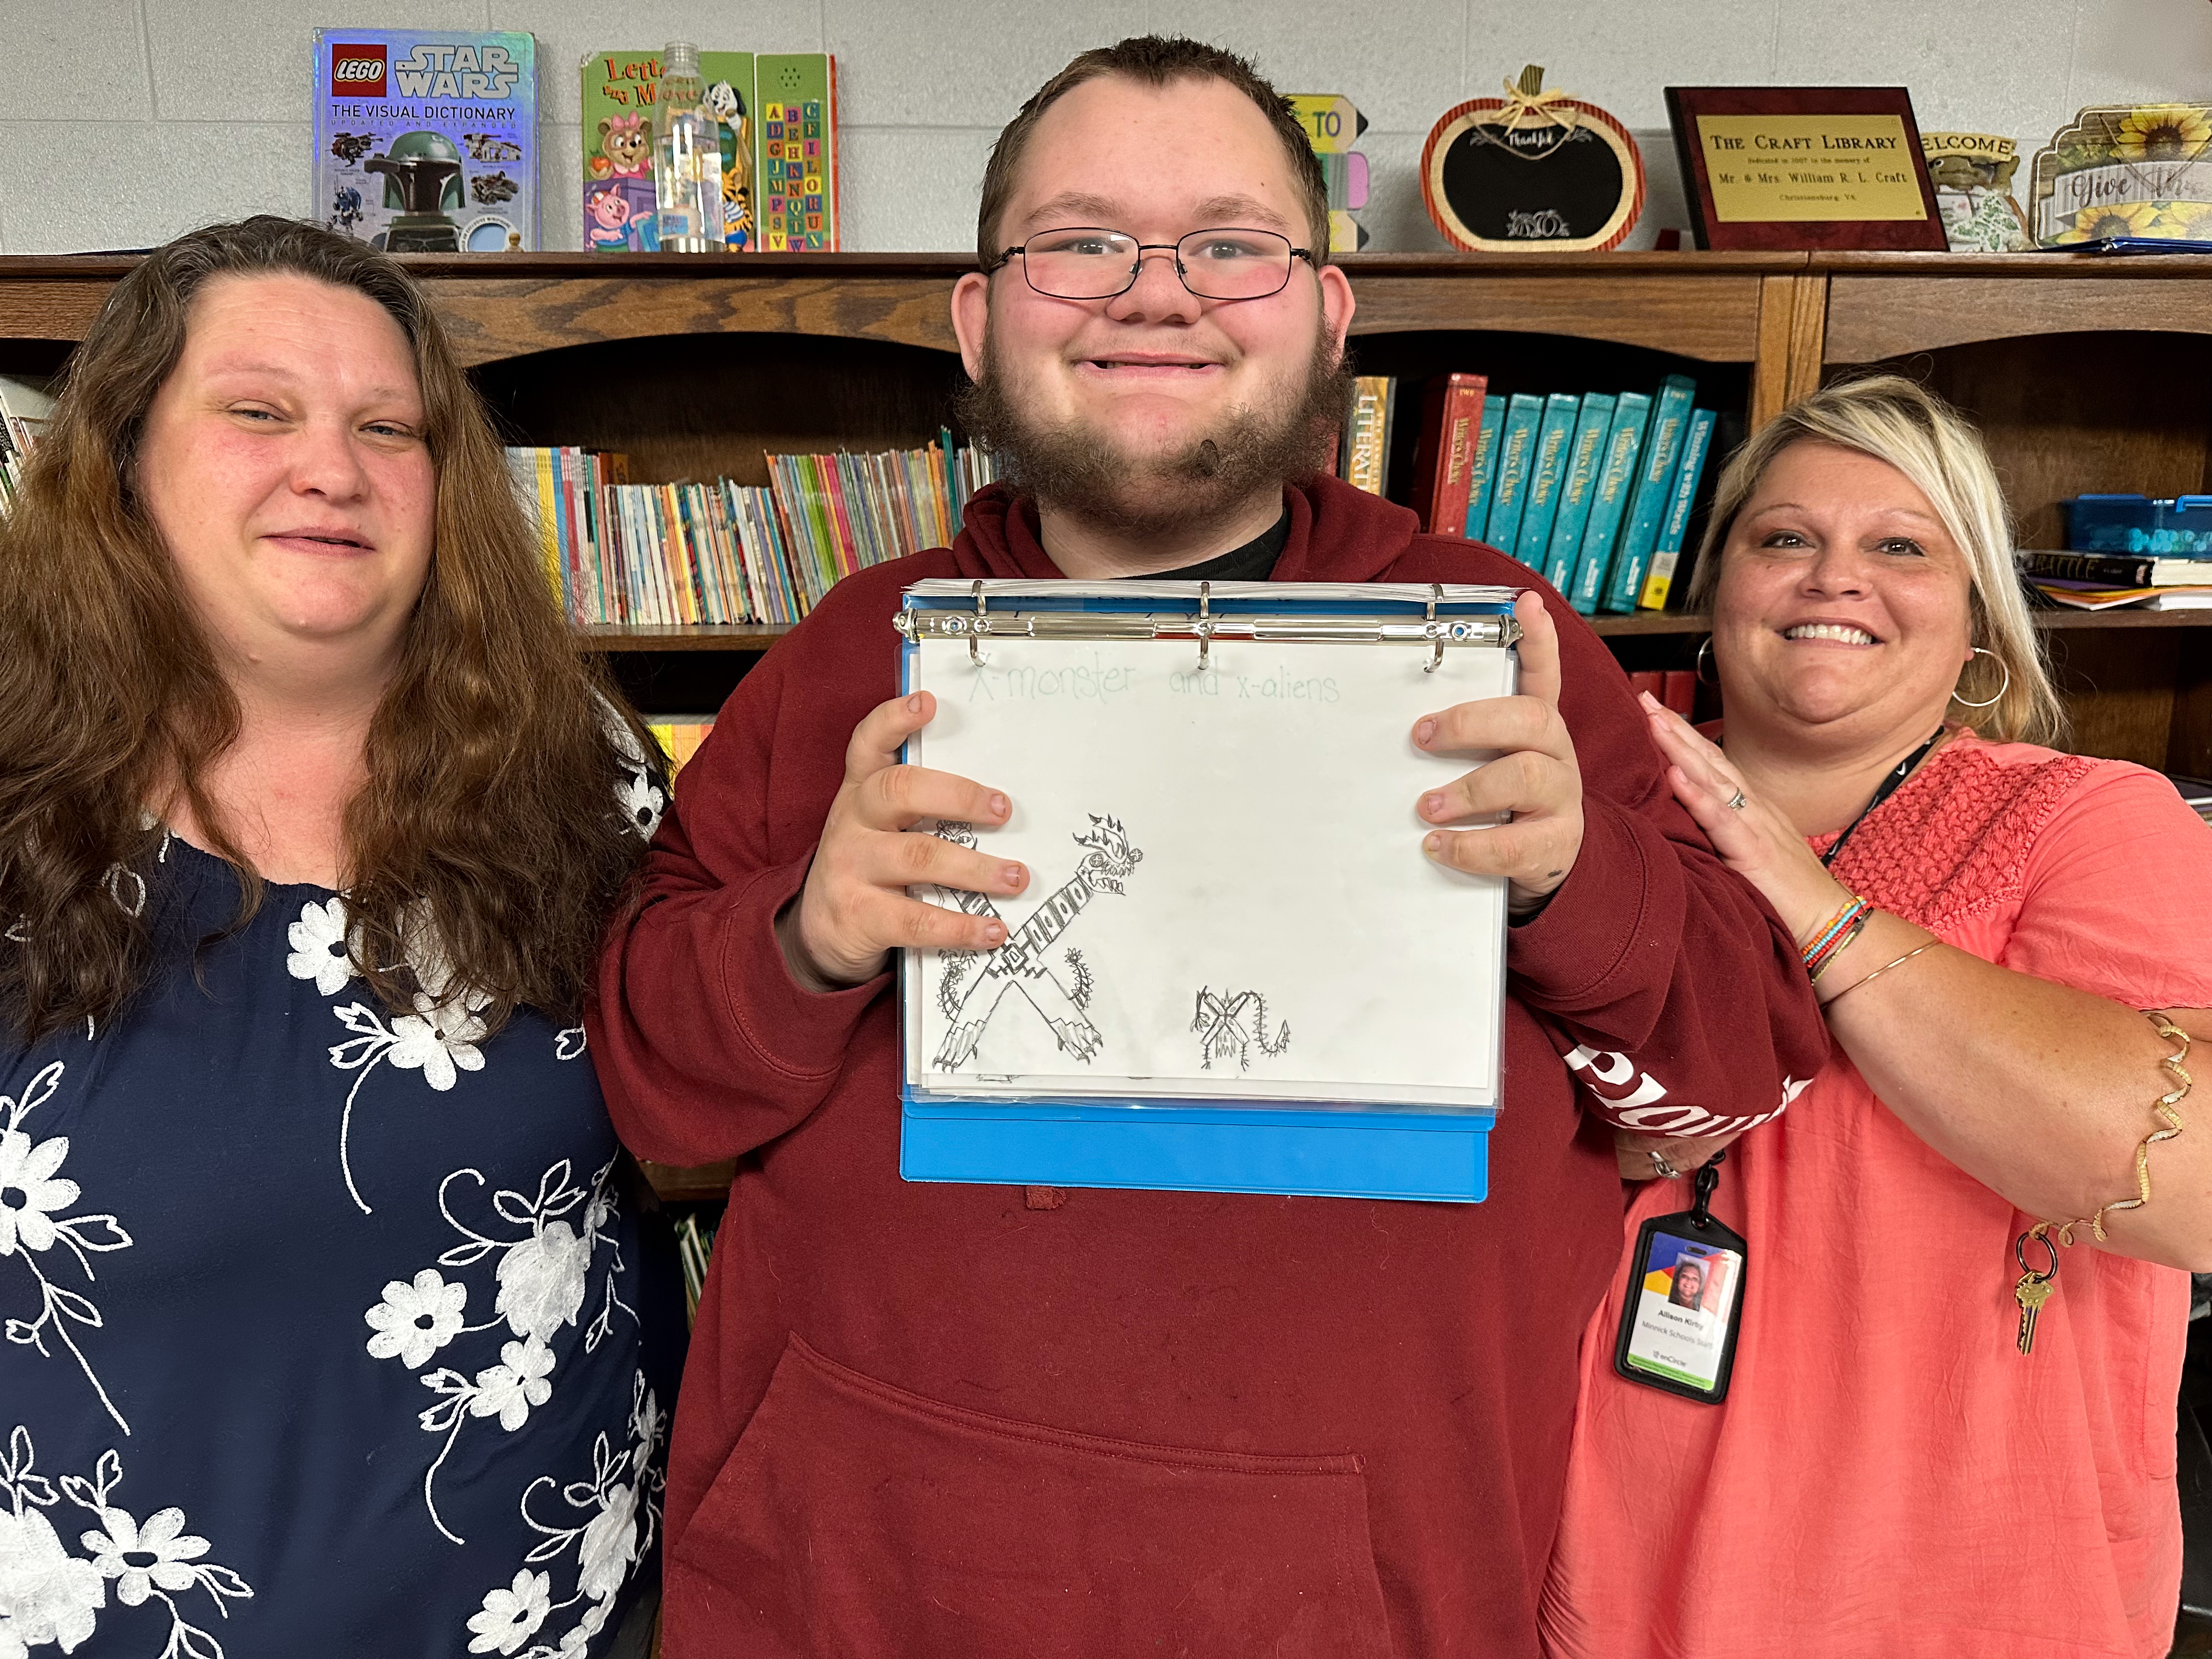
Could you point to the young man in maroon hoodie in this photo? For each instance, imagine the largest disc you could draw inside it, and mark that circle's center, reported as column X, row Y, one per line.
column 996, row 1422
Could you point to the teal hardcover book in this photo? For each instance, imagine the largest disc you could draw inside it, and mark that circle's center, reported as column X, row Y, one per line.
column 1547, row 471
column 1483, row 468
column 1516, row 446
column 1667, row 556
column 1655, row 480
column 1585, row 456
column 1616, row 483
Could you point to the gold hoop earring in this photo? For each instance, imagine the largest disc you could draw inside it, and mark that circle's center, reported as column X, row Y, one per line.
column 1704, row 652
column 1966, row 702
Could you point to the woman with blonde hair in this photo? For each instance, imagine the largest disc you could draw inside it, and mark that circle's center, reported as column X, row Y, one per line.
column 1950, row 1424
column 327, row 1325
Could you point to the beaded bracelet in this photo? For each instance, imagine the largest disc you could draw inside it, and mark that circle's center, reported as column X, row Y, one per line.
column 1842, row 944
column 1831, row 938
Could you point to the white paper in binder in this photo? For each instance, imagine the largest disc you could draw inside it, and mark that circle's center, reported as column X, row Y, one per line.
column 1228, row 899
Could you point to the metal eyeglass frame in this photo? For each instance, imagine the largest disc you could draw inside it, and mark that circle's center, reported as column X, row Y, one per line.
column 1137, row 268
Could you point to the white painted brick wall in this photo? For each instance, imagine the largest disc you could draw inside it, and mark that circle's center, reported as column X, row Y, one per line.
column 208, row 100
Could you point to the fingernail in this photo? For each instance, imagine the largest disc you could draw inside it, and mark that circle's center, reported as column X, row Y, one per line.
column 1432, row 804
column 914, row 703
column 1652, row 704
column 1424, row 731
column 994, row 934
column 998, row 806
column 1013, row 875
column 1433, row 845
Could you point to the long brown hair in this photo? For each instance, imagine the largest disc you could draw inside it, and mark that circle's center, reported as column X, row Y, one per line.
column 486, row 833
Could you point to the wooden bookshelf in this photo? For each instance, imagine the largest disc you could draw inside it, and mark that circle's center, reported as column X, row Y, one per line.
column 2087, row 373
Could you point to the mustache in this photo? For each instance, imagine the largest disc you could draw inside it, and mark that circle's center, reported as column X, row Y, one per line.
column 1079, row 467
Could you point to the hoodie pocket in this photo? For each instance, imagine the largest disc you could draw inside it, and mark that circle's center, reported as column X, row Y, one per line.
column 857, row 1520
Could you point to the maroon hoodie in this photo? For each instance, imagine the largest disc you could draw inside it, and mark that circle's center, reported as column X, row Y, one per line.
column 1001, row 1423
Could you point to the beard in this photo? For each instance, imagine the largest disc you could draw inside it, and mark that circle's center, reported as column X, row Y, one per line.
column 1081, row 469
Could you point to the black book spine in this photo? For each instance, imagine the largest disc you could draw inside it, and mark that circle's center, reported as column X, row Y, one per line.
column 2114, row 570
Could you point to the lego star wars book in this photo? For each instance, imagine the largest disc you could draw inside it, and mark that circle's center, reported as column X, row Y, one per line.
column 426, row 140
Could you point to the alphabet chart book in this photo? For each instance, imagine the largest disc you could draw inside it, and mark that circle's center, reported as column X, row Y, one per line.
column 1234, row 967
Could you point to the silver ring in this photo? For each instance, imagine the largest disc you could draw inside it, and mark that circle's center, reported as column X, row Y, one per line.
column 1662, row 1168
column 1736, row 803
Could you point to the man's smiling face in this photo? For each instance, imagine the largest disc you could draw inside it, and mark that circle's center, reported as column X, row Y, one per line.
column 1145, row 381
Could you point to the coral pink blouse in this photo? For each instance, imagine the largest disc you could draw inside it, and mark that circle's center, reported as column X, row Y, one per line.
column 1888, row 1474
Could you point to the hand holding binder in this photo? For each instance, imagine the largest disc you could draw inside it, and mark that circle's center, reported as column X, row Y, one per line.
column 855, row 909
column 1529, row 800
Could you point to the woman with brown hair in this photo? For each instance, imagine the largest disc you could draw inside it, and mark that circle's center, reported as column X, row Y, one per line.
column 327, row 1327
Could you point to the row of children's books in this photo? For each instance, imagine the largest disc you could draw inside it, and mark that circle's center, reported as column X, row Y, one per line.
column 730, row 553
column 24, row 407
column 1594, row 492
column 426, row 141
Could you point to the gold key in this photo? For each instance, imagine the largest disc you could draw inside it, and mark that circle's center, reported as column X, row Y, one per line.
column 2032, row 1292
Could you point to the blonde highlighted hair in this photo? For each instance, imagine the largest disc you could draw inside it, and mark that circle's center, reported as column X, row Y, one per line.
column 1902, row 423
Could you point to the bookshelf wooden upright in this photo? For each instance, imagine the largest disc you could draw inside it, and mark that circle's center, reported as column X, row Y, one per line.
column 2086, row 372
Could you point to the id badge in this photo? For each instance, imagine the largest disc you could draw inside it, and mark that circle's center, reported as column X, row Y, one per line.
column 1685, row 1301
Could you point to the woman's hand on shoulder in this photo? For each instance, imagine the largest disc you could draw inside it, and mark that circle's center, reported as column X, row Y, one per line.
column 1753, row 839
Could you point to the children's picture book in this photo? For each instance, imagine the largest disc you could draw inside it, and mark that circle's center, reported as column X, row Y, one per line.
column 1585, row 460
column 1482, row 470
column 1616, row 483
column 1547, row 472
column 619, row 89
column 426, row 140
column 798, row 173
column 1516, row 448
column 1655, row 484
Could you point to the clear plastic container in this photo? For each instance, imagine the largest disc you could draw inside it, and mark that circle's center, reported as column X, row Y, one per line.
column 687, row 156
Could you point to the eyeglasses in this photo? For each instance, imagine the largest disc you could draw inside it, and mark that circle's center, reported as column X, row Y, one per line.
column 1088, row 263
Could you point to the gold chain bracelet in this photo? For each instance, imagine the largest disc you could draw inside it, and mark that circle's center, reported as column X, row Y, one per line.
column 2170, row 1126
column 2035, row 1287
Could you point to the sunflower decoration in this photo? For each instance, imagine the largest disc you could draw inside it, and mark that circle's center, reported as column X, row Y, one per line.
column 2093, row 224
column 2162, row 132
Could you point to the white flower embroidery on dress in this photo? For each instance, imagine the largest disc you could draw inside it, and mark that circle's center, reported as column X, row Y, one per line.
column 415, row 1321
column 508, row 1389
column 614, row 1518
column 511, row 1616
column 640, row 799
column 543, row 1279
column 32, row 1197
column 569, row 1044
column 438, row 1039
column 47, row 1594
column 319, row 941
column 643, row 803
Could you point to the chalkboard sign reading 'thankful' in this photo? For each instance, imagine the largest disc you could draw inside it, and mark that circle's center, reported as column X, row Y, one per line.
column 1535, row 169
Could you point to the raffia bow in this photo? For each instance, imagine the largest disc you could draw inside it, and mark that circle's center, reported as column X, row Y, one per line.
column 1527, row 100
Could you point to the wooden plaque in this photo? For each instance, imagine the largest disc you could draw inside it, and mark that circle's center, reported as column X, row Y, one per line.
column 1820, row 167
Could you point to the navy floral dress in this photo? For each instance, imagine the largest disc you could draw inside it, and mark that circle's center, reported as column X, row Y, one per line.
column 328, row 1331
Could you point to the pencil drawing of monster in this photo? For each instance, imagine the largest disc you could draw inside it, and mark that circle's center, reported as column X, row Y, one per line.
column 976, row 983
column 1235, row 1023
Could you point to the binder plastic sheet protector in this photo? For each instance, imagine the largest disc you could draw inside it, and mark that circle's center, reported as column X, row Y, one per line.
column 1233, row 968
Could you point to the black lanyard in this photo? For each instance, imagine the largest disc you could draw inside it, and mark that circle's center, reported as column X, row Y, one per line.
column 1889, row 786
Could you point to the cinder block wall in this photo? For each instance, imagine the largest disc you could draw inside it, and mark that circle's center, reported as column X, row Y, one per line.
column 204, row 114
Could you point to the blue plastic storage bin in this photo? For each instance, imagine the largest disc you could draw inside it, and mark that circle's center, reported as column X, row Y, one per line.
column 2178, row 526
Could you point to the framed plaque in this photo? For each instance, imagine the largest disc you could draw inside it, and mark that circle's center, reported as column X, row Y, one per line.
column 1804, row 167
column 1532, row 170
